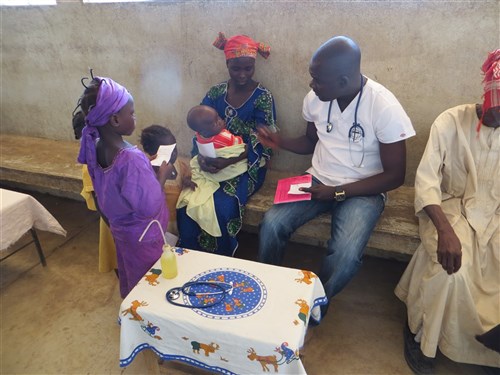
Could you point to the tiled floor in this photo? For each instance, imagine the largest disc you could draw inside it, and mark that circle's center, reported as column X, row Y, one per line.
column 62, row 319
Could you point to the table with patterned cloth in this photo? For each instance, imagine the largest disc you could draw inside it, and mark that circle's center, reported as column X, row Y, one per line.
column 259, row 326
column 21, row 213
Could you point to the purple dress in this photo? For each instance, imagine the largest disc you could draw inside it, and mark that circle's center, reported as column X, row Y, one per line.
column 130, row 196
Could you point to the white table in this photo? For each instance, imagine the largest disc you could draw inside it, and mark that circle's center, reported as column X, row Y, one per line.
column 20, row 213
column 259, row 327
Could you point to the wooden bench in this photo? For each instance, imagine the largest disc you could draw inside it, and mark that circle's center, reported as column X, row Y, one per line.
column 39, row 164
column 50, row 166
column 395, row 236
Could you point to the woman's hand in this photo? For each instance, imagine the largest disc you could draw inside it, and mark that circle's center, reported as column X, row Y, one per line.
column 268, row 138
column 214, row 165
column 219, row 163
column 206, row 165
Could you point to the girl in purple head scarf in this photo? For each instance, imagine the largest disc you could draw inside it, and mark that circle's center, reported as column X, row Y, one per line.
column 128, row 192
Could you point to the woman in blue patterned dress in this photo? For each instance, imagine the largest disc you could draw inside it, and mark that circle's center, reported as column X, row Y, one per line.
column 244, row 104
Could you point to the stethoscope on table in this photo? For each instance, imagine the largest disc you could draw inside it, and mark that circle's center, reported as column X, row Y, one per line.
column 221, row 289
column 356, row 132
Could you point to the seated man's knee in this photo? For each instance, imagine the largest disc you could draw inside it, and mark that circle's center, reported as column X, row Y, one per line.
column 349, row 247
column 346, row 258
column 274, row 221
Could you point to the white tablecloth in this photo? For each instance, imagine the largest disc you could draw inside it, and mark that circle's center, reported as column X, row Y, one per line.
column 21, row 212
column 260, row 326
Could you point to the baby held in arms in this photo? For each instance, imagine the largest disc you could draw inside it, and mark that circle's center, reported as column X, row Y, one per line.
column 210, row 128
column 228, row 160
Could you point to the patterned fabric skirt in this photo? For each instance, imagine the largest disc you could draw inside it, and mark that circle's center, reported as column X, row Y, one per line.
column 230, row 200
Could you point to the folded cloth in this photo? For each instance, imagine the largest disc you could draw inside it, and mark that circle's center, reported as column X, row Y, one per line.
column 200, row 202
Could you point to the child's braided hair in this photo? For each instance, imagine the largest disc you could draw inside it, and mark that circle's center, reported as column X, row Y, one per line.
column 85, row 104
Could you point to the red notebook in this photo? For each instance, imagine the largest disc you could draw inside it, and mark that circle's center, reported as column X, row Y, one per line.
column 287, row 189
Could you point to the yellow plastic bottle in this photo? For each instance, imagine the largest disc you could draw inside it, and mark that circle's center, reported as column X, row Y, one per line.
column 168, row 262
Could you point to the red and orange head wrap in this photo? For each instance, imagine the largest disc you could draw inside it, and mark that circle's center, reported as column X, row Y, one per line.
column 491, row 81
column 241, row 46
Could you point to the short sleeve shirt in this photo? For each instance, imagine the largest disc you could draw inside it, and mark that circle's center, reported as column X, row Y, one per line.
column 344, row 155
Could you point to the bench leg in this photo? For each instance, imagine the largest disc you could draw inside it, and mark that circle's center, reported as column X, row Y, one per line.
column 38, row 247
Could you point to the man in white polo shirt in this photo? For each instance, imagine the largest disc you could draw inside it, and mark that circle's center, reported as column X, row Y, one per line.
column 356, row 130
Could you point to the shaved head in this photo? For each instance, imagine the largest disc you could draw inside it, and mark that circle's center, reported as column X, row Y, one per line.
column 339, row 55
column 335, row 69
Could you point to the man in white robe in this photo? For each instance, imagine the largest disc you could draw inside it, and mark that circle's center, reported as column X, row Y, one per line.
column 452, row 284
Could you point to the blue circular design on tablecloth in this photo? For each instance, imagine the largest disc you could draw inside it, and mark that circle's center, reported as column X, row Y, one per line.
column 248, row 297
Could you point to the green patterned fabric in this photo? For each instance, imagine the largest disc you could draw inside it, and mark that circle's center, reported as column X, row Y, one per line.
column 207, row 242
column 234, row 226
column 216, row 91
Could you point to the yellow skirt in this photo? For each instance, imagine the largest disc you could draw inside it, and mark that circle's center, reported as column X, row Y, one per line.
column 107, row 249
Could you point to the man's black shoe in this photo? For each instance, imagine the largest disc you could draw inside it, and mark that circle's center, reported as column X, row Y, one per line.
column 416, row 360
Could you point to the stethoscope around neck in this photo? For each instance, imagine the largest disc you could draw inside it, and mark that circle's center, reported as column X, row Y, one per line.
column 356, row 132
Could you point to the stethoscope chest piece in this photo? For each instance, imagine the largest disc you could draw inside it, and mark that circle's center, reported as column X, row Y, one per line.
column 173, row 294
column 329, row 126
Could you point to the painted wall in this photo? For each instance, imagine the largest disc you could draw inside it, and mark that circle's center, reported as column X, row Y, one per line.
column 428, row 53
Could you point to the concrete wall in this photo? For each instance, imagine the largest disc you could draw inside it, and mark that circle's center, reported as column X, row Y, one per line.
column 427, row 53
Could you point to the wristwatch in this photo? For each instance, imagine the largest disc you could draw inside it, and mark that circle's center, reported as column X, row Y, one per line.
column 339, row 194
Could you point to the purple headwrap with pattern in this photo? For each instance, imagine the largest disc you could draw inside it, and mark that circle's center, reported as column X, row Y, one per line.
column 111, row 97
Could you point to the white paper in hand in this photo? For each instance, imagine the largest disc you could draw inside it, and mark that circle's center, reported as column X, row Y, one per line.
column 207, row 149
column 164, row 154
column 294, row 188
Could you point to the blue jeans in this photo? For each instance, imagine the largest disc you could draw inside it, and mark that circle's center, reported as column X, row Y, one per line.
column 353, row 221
